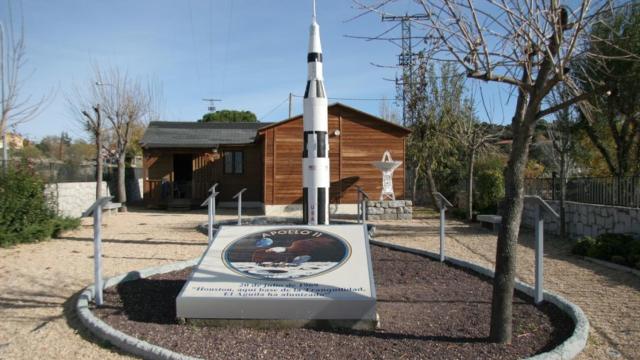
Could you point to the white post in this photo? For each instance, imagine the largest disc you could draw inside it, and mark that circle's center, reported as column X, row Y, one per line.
column 213, row 207
column 97, row 253
column 539, row 235
column 240, row 208
column 210, row 212
column 442, row 224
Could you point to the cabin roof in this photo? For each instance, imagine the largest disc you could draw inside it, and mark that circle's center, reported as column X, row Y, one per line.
column 178, row 134
column 347, row 107
column 181, row 134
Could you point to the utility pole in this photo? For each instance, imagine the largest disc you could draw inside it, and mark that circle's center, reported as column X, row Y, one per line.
column 290, row 104
column 405, row 60
column 4, row 124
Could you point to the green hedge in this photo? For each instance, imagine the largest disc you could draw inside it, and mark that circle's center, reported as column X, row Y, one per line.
column 617, row 248
column 25, row 215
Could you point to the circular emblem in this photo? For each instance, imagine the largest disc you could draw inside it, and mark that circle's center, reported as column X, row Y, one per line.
column 286, row 254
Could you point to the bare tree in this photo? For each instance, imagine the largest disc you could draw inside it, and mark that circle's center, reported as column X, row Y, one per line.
column 15, row 108
column 125, row 103
column 475, row 138
column 527, row 45
column 85, row 108
column 561, row 132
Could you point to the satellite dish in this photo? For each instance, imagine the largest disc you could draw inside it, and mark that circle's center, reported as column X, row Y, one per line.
column 387, row 166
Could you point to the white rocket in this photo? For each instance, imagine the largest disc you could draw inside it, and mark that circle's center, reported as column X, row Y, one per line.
column 315, row 154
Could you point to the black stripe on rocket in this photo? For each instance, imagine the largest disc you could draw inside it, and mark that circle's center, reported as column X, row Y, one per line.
column 314, row 57
column 317, row 90
column 321, row 141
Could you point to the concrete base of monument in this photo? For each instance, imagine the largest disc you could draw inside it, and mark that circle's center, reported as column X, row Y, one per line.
column 283, row 276
column 362, row 324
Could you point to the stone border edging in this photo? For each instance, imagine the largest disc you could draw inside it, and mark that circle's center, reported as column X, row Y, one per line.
column 117, row 338
column 611, row 265
column 569, row 349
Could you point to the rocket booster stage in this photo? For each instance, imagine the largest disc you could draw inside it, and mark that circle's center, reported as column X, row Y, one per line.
column 315, row 155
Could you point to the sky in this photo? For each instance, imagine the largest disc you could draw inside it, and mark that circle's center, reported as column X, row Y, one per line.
column 249, row 53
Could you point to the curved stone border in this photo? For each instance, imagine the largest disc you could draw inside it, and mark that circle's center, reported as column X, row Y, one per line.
column 611, row 265
column 117, row 338
column 567, row 350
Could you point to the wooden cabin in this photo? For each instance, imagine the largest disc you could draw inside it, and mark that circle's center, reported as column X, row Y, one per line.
column 183, row 160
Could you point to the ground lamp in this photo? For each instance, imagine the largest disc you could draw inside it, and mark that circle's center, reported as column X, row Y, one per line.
column 96, row 211
column 239, row 197
column 211, row 211
column 443, row 203
column 539, row 236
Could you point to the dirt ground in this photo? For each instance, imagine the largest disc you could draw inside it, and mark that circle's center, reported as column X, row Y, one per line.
column 610, row 298
column 38, row 282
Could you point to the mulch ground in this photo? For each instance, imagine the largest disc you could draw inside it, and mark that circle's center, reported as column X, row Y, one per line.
column 427, row 310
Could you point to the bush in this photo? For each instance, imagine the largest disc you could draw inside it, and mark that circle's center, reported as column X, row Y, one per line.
column 583, row 245
column 25, row 215
column 489, row 190
column 618, row 248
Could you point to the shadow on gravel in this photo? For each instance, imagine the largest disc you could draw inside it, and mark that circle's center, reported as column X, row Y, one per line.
column 137, row 242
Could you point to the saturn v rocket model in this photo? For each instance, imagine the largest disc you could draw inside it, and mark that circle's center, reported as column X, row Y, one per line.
column 315, row 154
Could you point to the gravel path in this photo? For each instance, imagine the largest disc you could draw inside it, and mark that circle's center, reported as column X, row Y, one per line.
column 610, row 298
column 37, row 281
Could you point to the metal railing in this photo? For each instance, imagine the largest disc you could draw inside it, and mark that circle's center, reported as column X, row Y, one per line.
column 623, row 191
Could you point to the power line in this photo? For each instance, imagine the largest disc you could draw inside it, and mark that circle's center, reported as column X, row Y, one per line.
column 351, row 99
column 274, row 109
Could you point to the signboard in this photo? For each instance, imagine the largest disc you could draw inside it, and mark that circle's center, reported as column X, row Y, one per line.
column 283, row 273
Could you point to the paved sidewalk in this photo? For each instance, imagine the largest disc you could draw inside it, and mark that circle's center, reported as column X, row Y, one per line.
column 610, row 298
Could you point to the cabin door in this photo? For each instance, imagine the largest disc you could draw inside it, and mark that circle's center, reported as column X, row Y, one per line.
column 182, row 176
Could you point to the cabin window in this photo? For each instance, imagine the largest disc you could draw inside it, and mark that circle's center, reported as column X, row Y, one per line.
column 233, row 162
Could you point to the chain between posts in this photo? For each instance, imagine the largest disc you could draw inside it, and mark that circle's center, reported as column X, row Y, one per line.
column 443, row 203
column 96, row 210
column 239, row 196
column 539, row 236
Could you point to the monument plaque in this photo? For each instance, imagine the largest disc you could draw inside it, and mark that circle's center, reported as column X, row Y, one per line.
column 293, row 275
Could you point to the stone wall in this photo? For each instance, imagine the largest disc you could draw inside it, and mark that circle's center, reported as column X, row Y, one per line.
column 585, row 219
column 73, row 198
column 390, row 210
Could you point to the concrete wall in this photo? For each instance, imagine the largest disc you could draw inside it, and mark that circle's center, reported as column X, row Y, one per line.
column 586, row 219
column 73, row 198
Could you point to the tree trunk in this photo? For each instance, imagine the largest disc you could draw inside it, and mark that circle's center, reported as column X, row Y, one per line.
column 122, row 190
column 98, row 165
column 414, row 185
column 511, row 212
column 472, row 159
column 432, row 185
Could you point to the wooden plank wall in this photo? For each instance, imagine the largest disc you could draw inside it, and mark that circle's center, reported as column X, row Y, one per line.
column 362, row 140
column 208, row 168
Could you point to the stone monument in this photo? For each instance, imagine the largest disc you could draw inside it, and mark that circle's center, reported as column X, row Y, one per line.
column 283, row 276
